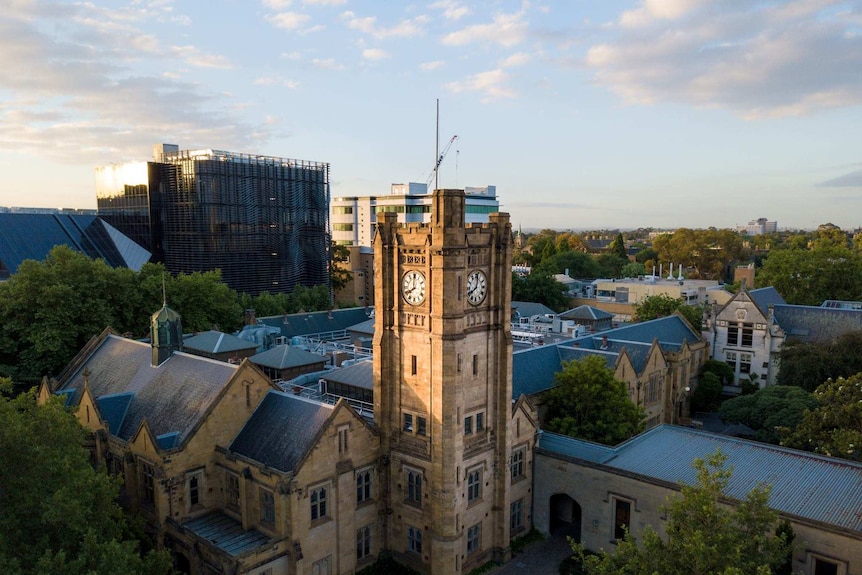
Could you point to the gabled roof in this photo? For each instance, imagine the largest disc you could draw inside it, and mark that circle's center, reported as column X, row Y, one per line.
column 586, row 312
column 286, row 356
column 281, row 430
column 816, row 324
column 671, row 331
column 804, row 484
column 299, row 324
column 360, row 374
column 113, row 409
column 533, row 369
column 226, row 533
column 764, row 297
column 217, row 342
column 529, row 308
column 173, row 397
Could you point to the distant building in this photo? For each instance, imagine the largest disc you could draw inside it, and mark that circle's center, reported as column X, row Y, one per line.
column 354, row 217
column 263, row 221
column 758, row 227
column 30, row 235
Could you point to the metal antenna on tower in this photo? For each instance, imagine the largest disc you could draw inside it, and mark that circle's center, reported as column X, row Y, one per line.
column 437, row 147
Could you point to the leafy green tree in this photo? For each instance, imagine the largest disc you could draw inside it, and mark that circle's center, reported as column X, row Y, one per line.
column 540, row 288
column 205, row 302
column 633, row 270
column 611, row 265
column 618, row 247
column 661, row 305
column 807, row 365
column 724, row 372
column 834, row 426
column 703, row 536
column 589, row 403
column 339, row 273
column 58, row 515
column 767, row 409
column 810, row 276
column 707, row 252
column 705, row 395
column 578, row 263
column 646, row 255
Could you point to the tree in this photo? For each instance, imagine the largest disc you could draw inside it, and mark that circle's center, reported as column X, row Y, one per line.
column 589, row 403
column 661, row 305
column 707, row 252
column 807, row 365
column 706, row 394
column 339, row 272
column 618, row 247
column 540, row 288
column 810, row 276
column 58, row 515
column 578, row 263
column 767, row 409
column 834, row 426
column 703, row 535
column 633, row 270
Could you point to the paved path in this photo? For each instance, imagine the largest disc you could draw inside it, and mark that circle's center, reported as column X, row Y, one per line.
column 539, row 558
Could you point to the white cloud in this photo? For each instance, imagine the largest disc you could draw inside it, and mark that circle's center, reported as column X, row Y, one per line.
column 491, row 84
column 288, row 20
column 429, row 66
column 325, row 2
column 368, row 25
column 273, row 81
column 194, row 57
column 295, row 55
column 374, row 54
column 759, row 61
column 518, row 59
column 452, row 9
column 506, row 30
column 327, row 64
column 277, row 5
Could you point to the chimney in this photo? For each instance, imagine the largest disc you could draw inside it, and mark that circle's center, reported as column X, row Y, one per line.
column 604, row 342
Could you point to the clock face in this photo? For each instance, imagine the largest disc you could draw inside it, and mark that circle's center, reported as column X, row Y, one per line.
column 413, row 287
column 477, row 287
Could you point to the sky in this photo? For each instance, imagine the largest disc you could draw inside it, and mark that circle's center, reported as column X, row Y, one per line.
column 585, row 114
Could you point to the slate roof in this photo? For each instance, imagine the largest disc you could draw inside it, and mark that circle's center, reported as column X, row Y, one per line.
column 804, row 484
column 529, row 308
column 816, row 324
column 670, row 330
column 360, row 374
column 764, row 297
column 366, row 327
column 285, row 356
column 217, row 342
column 281, row 430
column 226, row 533
column 32, row 236
column 300, row 324
column 586, row 312
column 533, row 369
column 172, row 397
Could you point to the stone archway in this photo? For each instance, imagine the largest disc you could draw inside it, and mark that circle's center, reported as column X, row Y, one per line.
column 181, row 563
column 565, row 514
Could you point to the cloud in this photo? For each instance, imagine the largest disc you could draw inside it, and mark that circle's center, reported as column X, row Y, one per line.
column 506, row 30
column 194, row 57
column 851, row 180
column 295, row 55
column 492, row 84
column 325, row 2
column 368, row 25
column 273, row 81
column 518, row 59
column 277, row 5
column 756, row 60
column 429, row 66
column 327, row 64
column 374, row 54
column 288, row 20
column 452, row 10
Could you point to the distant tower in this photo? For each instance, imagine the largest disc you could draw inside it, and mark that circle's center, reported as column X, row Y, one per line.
column 166, row 334
column 443, row 385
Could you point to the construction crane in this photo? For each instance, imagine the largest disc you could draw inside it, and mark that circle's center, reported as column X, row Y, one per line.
column 440, row 160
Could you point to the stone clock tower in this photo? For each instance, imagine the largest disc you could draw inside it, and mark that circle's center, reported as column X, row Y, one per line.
column 443, row 386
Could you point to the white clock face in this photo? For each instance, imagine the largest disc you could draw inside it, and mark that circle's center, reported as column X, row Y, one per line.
column 413, row 287
column 477, row 287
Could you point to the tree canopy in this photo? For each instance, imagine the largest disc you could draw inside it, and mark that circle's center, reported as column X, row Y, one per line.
column 809, row 276
column 768, row 409
column 706, row 252
column 58, row 515
column 588, row 402
column 540, row 288
column 834, row 426
column 703, row 535
column 661, row 305
column 807, row 365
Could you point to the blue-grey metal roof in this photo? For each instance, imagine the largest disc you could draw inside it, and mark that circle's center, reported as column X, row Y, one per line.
column 226, row 533
column 533, row 369
column 587, row 313
column 113, row 409
column 580, row 449
column 366, row 327
column 530, row 309
column 667, row 330
column 168, row 440
column 286, row 356
column 816, row 324
column 32, row 236
column 320, row 322
column 577, row 353
column 804, row 484
column 281, row 430
column 360, row 374
column 68, row 396
column 217, row 342
column 173, row 396
column 764, row 297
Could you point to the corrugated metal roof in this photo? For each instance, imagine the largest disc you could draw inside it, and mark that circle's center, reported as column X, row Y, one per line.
column 564, row 445
column 586, row 312
column 226, row 533
column 804, row 484
column 284, row 356
column 360, row 374
column 281, row 430
column 316, row 322
column 217, row 342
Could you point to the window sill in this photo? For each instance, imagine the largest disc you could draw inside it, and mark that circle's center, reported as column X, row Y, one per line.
column 320, row 521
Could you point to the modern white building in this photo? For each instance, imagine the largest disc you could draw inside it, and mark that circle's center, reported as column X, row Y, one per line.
column 758, row 227
column 353, row 217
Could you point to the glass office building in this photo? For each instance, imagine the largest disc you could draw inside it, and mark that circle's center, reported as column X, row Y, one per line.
column 263, row 221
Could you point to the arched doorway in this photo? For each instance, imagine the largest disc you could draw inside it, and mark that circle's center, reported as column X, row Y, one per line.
column 565, row 516
column 181, row 563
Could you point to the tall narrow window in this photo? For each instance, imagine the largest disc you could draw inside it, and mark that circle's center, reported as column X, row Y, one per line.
column 267, row 507
column 318, row 503
column 480, row 422
column 622, row 517
column 421, row 426
column 363, row 485
column 342, row 439
column 468, row 425
column 518, row 464
column 516, row 516
column 148, row 485
column 232, row 491
column 363, row 542
column 474, row 485
column 414, row 487
column 475, row 364
column 195, row 489
column 414, row 539
column 473, row 541
column 413, row 365
column 408, row 422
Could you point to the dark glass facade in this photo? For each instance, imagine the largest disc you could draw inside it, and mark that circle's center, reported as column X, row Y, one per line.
column 263, row 221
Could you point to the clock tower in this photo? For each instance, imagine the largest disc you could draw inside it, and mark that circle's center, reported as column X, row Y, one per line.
column 443, row 386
